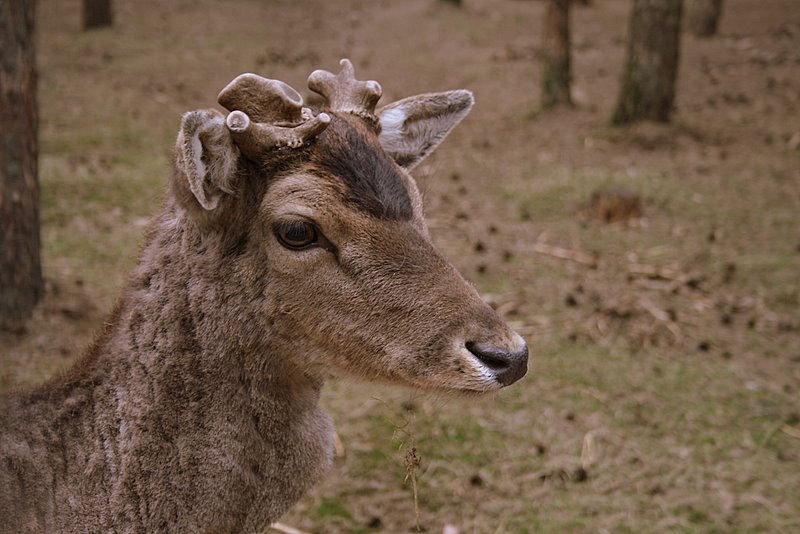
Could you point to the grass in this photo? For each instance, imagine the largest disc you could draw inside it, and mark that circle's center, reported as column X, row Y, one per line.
column 642, row 419
column 330, row 508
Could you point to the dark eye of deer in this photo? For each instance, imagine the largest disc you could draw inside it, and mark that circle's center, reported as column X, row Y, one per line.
column 296, row 235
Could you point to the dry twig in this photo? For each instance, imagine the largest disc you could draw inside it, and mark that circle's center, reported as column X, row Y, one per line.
column 655, row 272
column 412, row 462
column 566, row 254
column 662, row 317
column 286, row 529
column 791, row 431
column 338, row 445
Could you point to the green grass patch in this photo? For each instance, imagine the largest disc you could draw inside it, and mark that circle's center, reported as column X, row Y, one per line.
column 332, row 507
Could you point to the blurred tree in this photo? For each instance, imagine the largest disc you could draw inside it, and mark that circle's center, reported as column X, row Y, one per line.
column 96, row 14
column 703, row 17
column 647, row 90
column 555, row 54
column 20, row 267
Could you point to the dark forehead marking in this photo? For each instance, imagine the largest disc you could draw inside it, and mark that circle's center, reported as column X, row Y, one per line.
column 350, row 152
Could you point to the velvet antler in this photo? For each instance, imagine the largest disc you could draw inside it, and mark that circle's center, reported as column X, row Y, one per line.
column 266, row 114
column 344, row 93
column 253, row 138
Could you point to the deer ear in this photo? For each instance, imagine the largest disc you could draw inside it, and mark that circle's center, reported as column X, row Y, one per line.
column 205, row 158
column 413, row 127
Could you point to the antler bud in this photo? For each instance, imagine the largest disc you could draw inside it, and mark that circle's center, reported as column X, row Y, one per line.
column 264, row 100
column 344, row 93
column 253, row 138
column 267, row 114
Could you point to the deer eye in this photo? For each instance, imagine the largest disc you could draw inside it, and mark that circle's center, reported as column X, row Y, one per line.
column 295, row 235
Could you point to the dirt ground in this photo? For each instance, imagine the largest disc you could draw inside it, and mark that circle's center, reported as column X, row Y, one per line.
column 664, row 391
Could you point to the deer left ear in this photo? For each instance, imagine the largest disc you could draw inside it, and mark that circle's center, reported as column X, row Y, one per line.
column 205, row 158
column 413, row 127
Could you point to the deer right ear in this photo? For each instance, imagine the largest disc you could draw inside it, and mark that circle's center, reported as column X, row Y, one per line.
column 205, row 158
column 413, row 127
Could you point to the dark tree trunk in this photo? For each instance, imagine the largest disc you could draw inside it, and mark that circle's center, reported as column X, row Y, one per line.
column 555, row 54
column 704, row 15
column 20, row 268
column 96, row 14
column 647, row 90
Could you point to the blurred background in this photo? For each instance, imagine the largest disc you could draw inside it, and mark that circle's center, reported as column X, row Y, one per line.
column 647, row 247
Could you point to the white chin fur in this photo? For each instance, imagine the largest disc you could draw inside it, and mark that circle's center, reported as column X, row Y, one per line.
column 480, row 377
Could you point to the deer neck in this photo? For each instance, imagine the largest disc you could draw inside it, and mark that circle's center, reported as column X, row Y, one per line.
column 184, row 329
column 178, row 392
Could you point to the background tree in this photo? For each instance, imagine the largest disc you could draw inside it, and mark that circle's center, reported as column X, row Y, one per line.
column 703, row 17
column 647, row 90
column 555, row 54
column 20, row 267
column 96, row 14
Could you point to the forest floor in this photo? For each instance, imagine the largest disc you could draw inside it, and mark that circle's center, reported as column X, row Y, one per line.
column 664, row 388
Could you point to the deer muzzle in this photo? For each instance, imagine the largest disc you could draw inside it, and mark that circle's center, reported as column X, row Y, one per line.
column 507, row 364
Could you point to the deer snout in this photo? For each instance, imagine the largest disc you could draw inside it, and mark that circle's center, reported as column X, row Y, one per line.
column 508, row 364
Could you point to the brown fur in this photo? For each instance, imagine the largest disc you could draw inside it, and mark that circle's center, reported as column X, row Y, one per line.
column 196, row 409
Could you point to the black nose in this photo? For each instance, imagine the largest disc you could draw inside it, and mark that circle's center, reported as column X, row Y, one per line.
column 507, row 366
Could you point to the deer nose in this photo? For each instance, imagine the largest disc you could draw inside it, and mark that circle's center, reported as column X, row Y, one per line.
column 507, row 365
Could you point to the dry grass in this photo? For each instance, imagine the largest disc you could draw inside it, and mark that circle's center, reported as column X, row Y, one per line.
column 663, row 395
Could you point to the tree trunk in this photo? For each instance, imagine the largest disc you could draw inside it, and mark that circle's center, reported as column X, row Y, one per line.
column 647, row 90
column 555, row 54
column 704, row 16
column 20, row 267
column 96, row 14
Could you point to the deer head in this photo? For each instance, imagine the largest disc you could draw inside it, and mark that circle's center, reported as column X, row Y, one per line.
column 315, row 212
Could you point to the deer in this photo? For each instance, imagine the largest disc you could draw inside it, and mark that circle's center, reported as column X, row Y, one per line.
column 291, row 248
